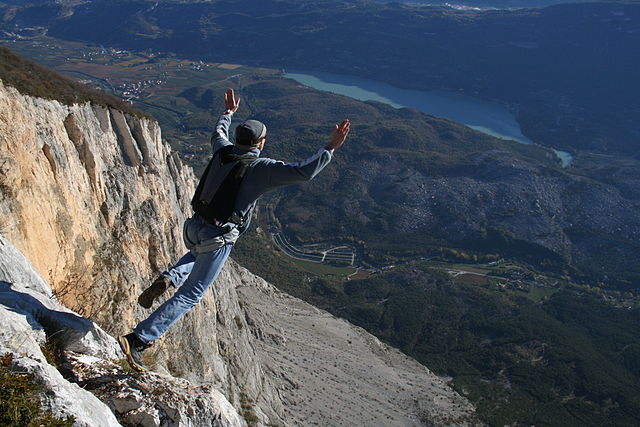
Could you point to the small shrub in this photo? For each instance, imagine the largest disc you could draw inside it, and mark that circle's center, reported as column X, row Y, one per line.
column 238, row 321
column 52, row 352
column 247, row 410
column 19, row 404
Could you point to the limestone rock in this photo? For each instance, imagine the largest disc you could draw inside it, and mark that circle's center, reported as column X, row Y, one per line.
column 33, row 320
column 94, row 198
column 24, row 291
column 151, row 399
column 64, row 398
column 28, row 318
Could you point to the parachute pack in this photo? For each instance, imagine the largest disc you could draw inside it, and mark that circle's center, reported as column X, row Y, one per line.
column 215, row 196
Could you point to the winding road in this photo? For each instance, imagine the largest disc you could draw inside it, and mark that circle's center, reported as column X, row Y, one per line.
column 338, row 253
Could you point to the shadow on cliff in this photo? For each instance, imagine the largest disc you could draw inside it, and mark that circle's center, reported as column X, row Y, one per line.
column 52, row 320
column 67, row 329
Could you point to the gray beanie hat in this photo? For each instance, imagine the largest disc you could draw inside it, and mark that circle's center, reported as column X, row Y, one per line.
column 249, row 132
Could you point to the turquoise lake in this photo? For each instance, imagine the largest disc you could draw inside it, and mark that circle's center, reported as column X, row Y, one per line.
column 485, row 116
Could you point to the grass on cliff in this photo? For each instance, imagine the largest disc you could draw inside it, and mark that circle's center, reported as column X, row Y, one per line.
column 19, row 404
column 30, row 78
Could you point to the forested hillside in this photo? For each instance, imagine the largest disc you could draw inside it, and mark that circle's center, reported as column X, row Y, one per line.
column 567, row 71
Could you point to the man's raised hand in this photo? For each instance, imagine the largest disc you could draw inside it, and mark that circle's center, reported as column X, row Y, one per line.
column 230, row 101
column 339, row 135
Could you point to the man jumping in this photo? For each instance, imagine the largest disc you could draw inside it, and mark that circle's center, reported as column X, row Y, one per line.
column 223, row 204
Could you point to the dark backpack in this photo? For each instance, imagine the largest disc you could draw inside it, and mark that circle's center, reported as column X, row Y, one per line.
column 216, row 194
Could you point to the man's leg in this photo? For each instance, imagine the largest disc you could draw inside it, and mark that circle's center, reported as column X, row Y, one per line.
column 175, row 277
column 205, row 269
column 180, row 271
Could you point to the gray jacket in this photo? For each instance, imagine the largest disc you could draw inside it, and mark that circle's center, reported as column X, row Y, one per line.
column 263, row 174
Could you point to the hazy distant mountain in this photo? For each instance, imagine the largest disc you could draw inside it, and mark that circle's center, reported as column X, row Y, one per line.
column 487, row 4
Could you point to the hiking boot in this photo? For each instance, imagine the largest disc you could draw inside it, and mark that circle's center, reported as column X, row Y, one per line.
column 132, row 347
column 157, row 288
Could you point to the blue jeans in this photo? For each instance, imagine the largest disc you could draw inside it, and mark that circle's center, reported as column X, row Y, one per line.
column 192, row 275
column 181, row 270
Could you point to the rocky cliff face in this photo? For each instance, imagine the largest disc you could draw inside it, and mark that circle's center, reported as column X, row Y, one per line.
column 96, row 200
column 85, row 383
column 92, row 197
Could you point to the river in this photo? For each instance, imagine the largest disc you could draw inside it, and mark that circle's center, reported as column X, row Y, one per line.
column 485, row 116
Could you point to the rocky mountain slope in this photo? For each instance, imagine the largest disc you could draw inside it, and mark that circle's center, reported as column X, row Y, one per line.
column 95, row 199
column 329, row 372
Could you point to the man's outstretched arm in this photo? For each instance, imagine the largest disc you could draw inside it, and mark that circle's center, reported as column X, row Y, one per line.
column 280, row 173
column 220, row 137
